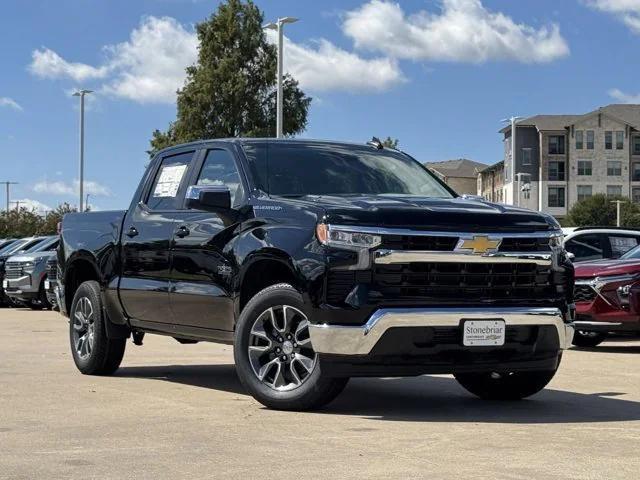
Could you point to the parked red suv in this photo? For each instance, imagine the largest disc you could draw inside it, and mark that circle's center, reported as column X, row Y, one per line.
column 607, row 296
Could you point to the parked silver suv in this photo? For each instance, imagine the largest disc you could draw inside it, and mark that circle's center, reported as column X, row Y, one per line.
column 26, row 272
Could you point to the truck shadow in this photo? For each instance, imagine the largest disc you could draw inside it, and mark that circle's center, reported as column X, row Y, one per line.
column 421, row 399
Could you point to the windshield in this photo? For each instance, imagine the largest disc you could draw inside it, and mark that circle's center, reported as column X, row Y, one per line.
column 293, row 169
column 45, row 245
column 634, row 253
column 14, row 247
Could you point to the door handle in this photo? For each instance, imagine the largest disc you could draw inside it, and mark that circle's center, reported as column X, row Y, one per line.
column 133, row 232
column 182, row 231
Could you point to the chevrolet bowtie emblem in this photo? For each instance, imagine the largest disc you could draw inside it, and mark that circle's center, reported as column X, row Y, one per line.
column 479, row 244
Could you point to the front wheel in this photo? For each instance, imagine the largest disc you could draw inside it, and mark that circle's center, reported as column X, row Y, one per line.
column 93, row 352
column 505, row 386
column 274, row 357
column 588, row 339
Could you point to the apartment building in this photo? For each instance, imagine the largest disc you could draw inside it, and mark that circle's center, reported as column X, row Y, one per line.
column 460, row 174
column 490, row 182
column 561, row 159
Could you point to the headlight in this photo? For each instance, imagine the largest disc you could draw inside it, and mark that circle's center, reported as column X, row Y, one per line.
column 623, row 294
column 336, row 237
column 28, row 266
column 556, row 242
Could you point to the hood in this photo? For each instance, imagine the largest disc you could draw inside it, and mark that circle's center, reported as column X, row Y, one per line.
column 446, row 214
column 30, row 257
column 601, row 268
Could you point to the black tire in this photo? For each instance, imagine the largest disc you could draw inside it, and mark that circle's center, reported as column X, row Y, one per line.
column 507, row 386
column 316, row 390
column 588, row 339
column 105, row 354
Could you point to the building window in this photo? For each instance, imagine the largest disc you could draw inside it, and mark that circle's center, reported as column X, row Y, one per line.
column 584, row 167
column 619, row 140
column 614, row 168
column 636, row 172
column 636, row 145
column 579, row 140
column 556, row 144
column 608, row 140
column 590, row 139
column 584, row 192
column 526, row 156
column 635, row 194
column 556, row 171
column 614, row 190
column 556, row 197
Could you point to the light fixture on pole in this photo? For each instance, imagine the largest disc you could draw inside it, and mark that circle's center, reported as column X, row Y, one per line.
column 512, row 174
column 81, row 94
column 278, row 27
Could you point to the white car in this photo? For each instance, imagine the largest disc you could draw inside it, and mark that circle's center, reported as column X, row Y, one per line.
column 596, row 243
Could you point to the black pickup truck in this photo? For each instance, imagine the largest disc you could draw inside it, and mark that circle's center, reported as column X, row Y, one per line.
column 319, row 261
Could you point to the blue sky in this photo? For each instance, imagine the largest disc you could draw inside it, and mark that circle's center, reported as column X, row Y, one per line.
column 437, row 74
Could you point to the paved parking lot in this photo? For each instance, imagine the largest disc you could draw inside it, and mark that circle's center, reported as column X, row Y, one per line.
column 178, row 411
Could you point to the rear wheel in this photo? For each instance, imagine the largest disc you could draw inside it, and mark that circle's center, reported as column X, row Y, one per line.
column 274, row 357
column 93, row 352
column 588, row 339
column 505, row 386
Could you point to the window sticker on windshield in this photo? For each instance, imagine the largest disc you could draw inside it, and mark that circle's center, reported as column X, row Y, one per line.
column 169, row 181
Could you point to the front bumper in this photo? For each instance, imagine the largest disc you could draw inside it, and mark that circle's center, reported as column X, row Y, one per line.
column 361, row 340
column 22, row 288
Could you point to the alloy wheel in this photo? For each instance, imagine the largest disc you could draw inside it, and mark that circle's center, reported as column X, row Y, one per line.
column 83, row 327
column 280, row 350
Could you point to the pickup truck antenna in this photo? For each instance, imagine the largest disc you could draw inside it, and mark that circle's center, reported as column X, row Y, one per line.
column 375, row 141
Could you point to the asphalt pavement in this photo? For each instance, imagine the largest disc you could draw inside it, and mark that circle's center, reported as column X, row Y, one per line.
column 179, row 411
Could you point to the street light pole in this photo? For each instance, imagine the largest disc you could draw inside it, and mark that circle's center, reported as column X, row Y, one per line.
column 86, row 203
column 618, row 203
column 81, row 94
column 8, row 186
column 278, row 26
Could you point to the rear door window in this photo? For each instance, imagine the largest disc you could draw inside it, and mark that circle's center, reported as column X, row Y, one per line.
column 169, row 178
column 586, row 247
column 621, row 244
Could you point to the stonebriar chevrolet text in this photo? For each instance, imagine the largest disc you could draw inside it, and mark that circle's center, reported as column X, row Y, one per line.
column 319, row 261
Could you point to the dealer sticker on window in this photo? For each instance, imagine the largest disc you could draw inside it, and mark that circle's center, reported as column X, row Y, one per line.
column 169, row 181
column 482, row 333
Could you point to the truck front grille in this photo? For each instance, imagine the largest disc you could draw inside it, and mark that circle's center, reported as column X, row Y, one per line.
column 464, row 281
column 584, row 293
column 439, row 283
column 448, row 244
column 13, row 270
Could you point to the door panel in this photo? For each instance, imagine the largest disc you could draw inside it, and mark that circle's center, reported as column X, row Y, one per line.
column 146, row 242
column 200, row 270
column 200, row 273
column 144, row 286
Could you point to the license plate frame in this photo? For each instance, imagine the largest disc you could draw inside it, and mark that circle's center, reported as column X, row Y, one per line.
column 486, row 332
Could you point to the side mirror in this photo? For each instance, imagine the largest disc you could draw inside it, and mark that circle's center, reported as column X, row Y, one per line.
column 571, row 256
column 212, row 198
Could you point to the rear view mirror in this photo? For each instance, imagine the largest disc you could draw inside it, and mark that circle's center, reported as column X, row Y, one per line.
column 212, row 198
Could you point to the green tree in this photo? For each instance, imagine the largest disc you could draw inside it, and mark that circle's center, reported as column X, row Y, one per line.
column 231, row 90
column 26, row 223
column 50, row 221
column 390, row 142
column 598, row 210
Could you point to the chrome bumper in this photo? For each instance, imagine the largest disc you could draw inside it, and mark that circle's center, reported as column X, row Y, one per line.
column 360, row 340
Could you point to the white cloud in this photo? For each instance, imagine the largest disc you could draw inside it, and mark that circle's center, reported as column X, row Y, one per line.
column 463, row 31
column 68, row 189
column 33, row 205
column 151, row 65
column 324, row 66
column 11, row 103
column 623, row 97
column 48, row 64
column 626, row 10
